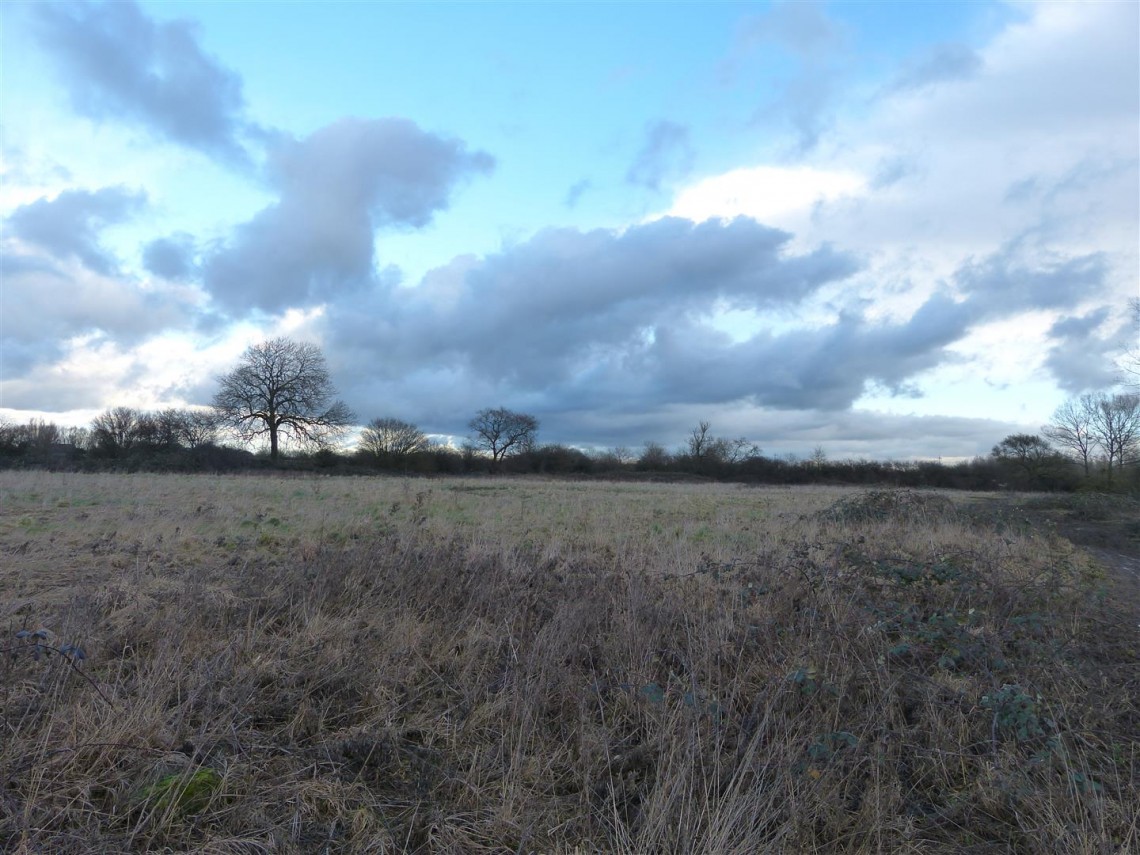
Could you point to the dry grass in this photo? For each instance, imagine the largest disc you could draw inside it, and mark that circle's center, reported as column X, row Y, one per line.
column 309, row 665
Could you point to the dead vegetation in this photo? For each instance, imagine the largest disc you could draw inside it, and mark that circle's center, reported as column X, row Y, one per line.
column 535, row 667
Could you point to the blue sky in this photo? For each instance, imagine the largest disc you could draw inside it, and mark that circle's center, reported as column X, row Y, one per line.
column 896, row 230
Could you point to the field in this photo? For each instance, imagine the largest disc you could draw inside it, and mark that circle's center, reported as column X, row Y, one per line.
column 259, row 664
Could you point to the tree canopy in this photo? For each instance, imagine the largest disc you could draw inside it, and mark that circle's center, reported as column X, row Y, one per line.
column 282, row 388
column 501, row 432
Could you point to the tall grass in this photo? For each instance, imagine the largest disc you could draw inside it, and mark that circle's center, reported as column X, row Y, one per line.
column 525, row 666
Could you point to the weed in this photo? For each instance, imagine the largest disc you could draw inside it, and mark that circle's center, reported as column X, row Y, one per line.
column 181, row 793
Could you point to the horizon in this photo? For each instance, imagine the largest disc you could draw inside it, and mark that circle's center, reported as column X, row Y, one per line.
column 897, row 232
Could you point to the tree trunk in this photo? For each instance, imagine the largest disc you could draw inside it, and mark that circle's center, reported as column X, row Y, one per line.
column 273, row 442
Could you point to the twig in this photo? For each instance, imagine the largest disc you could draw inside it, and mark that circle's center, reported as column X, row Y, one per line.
column 71, row 662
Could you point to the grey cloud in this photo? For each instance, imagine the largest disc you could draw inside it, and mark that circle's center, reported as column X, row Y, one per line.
column 891, row 170
column 803, row 27
column 17, row 263
column 826, row 368
column 21, row 167
column 68, row 226
column 42, row 389
column 609, row 322
column 1080, row 358
column 818, row 43
column 621, row 325
column 118, row 63
column 337, row 187
column 573, row 294
column 805, row 101
column 43, row 305
column 844, row 435
column 942, row 63
column 666, row 151
column 1023, row 190
column 575, row 192
column 171, row 257
column 1005, row 283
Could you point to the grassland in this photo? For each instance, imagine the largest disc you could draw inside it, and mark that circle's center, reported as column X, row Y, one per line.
column 479, row 665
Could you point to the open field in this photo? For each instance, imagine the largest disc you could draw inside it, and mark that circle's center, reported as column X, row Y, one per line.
column 480, row 665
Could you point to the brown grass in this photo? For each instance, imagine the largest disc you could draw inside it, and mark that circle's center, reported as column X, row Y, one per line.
column 310, row 665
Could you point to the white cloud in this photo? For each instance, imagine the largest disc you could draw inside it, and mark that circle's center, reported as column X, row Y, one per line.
column 782, row 196
column 1014, row 183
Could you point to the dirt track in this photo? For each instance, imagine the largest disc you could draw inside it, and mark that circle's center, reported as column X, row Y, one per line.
column 1113, row 540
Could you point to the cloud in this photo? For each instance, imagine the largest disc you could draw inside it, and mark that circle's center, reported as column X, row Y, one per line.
column 60, row 283
column 941, row 63
column 68, row 226
column 1008, row 282
column 171, row 257
column 118, row 63
column 816, row 43
column 802, row 27
column 336, row 188
column 770, row 194
column 1080, row 356
column 665, row 152
column 824, row 368
column 605, row 322
column 576, row 190
column 608, row 320
column 45, row 304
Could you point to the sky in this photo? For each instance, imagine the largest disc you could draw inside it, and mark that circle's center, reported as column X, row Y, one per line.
column 893, row 230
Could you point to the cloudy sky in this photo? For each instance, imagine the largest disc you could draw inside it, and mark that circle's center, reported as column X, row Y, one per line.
column 893, row 230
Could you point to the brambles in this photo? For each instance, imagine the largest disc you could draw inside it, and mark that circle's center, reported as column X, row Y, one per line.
column 1016, row 714
column 890, row 505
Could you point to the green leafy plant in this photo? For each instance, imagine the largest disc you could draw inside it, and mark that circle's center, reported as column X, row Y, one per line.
column 1016, row 714
column 827, row 745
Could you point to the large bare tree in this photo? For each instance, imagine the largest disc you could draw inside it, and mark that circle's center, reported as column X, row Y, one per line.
column 502, row 432
column 282, row 388
column 116, row 431
column 1072, row 428
column 1116, row 427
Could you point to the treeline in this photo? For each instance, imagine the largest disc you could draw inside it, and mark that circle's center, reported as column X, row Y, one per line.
column 281, row 391
column 126, row 440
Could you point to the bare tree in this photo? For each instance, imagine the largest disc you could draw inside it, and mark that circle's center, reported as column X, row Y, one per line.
column 282, row 387
column 502, row 432
column 1072, row 428
column 737, row 450
column 705, row 448
column 622, row 454
column 116, row 431
column 199, row 427
column 392, row 439
column 1116, row 428
column 1028, row 456
column 654, row 456
column 700, row 441
column 79, row 437
column 162, row 430
column 34, row 438
column 1129, row 362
